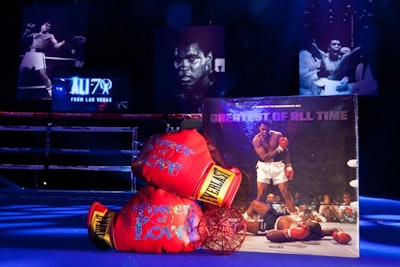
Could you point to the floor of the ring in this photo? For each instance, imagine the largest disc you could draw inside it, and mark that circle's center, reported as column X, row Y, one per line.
column 48, row 228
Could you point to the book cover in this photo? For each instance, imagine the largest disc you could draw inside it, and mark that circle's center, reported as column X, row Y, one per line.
column 313, row 173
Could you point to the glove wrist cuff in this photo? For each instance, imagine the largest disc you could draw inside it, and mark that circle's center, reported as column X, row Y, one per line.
column 219, row 185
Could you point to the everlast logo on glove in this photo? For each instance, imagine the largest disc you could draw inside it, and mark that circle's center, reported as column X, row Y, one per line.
column 216, row 185
column 181, row 163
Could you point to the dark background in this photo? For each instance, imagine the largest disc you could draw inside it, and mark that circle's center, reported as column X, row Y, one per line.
column 261, row 60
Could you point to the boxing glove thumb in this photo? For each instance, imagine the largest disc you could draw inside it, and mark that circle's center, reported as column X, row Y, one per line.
column 341, row 237
column 283, row 144
column 298, row 232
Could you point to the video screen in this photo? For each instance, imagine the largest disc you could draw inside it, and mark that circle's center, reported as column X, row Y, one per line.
column 52, row 36
column 189, row 66
column 93, row 90
column 338, row 54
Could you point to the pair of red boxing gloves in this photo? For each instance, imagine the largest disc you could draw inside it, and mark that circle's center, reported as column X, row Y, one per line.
column 164, row 215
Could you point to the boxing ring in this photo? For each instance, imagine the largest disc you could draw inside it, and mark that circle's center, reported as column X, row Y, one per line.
column 48, row 227
column 44, row 151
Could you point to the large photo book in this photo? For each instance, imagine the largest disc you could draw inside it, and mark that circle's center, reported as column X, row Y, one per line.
column 299, row 159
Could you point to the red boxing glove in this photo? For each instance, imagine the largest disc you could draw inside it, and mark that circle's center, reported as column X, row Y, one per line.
column 289, row 172
column 298, row 232
column 341, row 237
column 180, row 163
column 153, row 221
column 283, row 144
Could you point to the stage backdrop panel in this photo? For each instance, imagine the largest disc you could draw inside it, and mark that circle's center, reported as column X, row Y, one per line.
column 338, row 48
column 189, row 65
column 323, row 147
column 68, row 27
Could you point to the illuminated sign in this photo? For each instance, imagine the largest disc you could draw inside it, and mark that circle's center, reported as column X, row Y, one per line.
column 86, row 86
column 87, row 90
column 90, row 90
